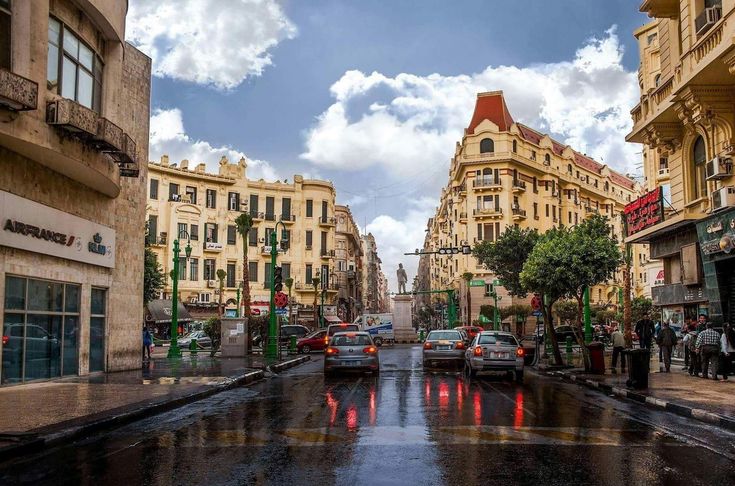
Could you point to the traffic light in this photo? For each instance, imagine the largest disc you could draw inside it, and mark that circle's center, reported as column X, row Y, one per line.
column 278, row 279
column 284, row 240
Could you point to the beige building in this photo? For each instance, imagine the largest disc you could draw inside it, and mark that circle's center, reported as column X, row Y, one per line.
column 348, row 265
column 686, row 120
column 504, row 173
column 74, row 106
column 185, row 200
column 371, row 278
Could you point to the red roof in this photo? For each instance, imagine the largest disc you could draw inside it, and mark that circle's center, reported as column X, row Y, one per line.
column 621, row 180
column 528, row 134
column 491, row 106
column 587, row 163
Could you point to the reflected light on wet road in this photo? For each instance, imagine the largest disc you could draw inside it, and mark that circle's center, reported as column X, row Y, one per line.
column 443, row 395
column 333, row 405
column 373, row 411
column 352, row 418
column 518, row 416
column 477, row 406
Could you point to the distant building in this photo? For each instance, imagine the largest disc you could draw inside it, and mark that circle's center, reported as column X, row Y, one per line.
column 348, row 265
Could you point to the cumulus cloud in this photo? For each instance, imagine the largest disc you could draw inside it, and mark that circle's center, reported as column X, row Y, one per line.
column 400, row 124
column 168, row 137
column 208, row 42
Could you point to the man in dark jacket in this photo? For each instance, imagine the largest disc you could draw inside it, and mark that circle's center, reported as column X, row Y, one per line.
column 645, row 329
column 666, row 341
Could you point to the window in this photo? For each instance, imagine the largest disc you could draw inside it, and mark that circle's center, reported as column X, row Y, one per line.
column 253, row 237
column 231, row 234
column 254, row 205
column 268, row 233
column 515, row 146
column 78, row 66
column 657, row 80
column 267, row 277
column 253, row 271
column 182, row 268
column 325, row 207
column 233, row 201
column 270, row 211
column 210, row 232
column 309, row 274
column 286, row 271
column 535, row 185
column 194, row 232
column 487, row 145
column 325, row 277
column 533, row 155
column 286, row 208
column 231, row 273
column 152, row 236
column 309, row 208
column 211, row 199
column 553, row 211
column 535, row 210
column 97, row 330
column 699, row 157
column 40, row 329
column 191, row 193
column 209, row 271
column 154, row 189
column 663, row 163
column 5, row 34
column 569, row 168
column 193, row 269
column 323, row 242
column 182, row 230
column 547, row 159
column 309, row 238
column 173, row 192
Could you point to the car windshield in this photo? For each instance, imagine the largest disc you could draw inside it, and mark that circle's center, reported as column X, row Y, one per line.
column 444, row 335
column 342, row 328
column 315, row 334
column 497, row 338
column 351, row 340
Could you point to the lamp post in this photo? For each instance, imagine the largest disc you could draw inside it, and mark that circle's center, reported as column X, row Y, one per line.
column 321, row 310
column 173, row 350
column 587, row 317
column 271, row 350
column 239, row 289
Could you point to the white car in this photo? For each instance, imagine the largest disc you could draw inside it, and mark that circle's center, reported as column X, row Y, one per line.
column 495, row 351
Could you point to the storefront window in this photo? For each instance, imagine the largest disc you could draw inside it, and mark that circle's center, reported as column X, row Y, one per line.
column 40, row 330
column 97, row 330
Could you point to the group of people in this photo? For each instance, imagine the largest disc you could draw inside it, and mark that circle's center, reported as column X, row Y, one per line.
column 705, row 348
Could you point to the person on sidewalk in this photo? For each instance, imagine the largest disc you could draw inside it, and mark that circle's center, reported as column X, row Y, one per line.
column 708, row 347
column 695, row 361
column 645, row 330
column 618, row 343
column 147, row 343
column 688, row 327
column 666, row 341
column 727, row 349
column 701, row 323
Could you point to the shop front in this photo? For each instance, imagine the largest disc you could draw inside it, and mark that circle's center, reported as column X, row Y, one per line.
column 717, row 244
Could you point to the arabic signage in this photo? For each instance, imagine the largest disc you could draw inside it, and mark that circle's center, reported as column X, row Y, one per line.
column 31, row 226
column 644, row 212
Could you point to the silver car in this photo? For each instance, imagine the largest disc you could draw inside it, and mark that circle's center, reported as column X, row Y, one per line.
column 447, row 346
column 495, row 351
column 351, row 351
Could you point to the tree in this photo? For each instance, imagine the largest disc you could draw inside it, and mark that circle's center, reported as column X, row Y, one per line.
column 289, row 286
column 566, row 310
column 221, row 275
column 506, row 256
column 315, row 282
column 519, row 313
column 467, row 277
column 641, row 307
column 154, row 279
column 244, row 223
column 213, row 329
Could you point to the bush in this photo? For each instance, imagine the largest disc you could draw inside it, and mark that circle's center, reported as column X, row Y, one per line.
column 213, row 329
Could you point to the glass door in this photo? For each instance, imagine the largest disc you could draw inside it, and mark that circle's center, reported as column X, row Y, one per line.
column 97, row 330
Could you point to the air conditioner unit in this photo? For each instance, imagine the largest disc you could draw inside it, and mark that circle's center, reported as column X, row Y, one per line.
column 706, row 20
column 718, row 168
column 211, row 284
column 723, row 198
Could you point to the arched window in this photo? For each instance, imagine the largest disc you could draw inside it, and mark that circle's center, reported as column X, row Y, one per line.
column 547, row 159
column 699, row 158
column 657, row 80
column 515, row 146
column 487, row 145
column 569, row 168
column 487, row 176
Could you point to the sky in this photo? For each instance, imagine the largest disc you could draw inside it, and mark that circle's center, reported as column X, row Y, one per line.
column 374, row 94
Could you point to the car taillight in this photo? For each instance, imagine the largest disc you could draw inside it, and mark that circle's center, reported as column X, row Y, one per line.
column 6, row 339
column 326, row 340
column 370, row 350
column 520, row 352
column 459, row 345
column 332, row 351
column 478, row 351
column 427, row 345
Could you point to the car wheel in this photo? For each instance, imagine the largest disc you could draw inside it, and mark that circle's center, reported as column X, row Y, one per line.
column 519, row 376
column 306, row 349
column 378, row 342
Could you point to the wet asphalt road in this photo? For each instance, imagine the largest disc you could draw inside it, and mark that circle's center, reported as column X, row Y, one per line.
column 404, row 427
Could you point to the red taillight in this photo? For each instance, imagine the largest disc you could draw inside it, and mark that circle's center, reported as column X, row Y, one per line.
column 370, row 350
column 478, row 351
column 332, row 351
column 427, row 345
column 459, row 345
column 6, row 339
column 520, row 352
column 326, row 340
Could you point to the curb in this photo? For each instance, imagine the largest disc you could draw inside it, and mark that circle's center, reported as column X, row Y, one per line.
column 279, row 367
column 675, row 408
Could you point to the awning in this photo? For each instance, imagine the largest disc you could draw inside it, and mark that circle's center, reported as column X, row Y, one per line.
column 665, row 227
column 159, row 311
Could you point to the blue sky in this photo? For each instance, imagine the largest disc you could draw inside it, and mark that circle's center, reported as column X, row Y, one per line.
column 373, row 94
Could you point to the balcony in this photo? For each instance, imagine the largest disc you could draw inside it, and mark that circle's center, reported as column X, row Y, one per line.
column 265, row 250
column 519, row 214
column 270, row 216
column 109, row 137
column 72, row 117
column 463, row 217
column 487, row 183
column 519, row 186
column 256, row 215
column 672, row 294
column 663, row 174
column 288, row 218
column 127, row 159
column 16, row 92
column 492, row 212
column 327, row 221
column 661, row 8
column 324, row 253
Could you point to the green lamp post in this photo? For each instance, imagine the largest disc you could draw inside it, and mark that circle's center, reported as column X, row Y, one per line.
column 271, row 350
column 173, row 350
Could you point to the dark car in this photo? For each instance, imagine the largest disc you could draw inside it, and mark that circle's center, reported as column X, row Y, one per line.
column 312, row 342
column 293, row 330
column 528, row 343
column 564, row 331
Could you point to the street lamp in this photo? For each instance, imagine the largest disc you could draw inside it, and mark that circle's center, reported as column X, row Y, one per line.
column 239, row 289
column 271, row 351
column 173, row 350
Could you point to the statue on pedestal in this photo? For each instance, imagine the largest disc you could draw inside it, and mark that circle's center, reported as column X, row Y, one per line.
column 402, row 279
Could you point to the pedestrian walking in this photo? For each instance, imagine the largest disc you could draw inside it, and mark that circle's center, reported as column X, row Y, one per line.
column 645, row 330
column 701, row 323
column 727, row 350
column 708, row 347
column 666, row 341
column 147, row 343
column 685, row 331
column 618, row 343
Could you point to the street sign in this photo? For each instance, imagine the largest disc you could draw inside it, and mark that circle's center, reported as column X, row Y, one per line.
column 477, row 283
column 536, row 313
column 281, row 312
column 280, row 299
column 497, row 282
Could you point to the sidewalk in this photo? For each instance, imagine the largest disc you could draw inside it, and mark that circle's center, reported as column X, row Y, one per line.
column 702, row 399
column 39, row 414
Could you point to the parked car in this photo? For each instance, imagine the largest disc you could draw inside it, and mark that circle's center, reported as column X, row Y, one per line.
column 351, row 351
column 446, row 346
column 563, row 331
column 333, row 329
column 471, row 331
column 312, row 342
column 203, row 341
column 528, row 343
column 495, row 351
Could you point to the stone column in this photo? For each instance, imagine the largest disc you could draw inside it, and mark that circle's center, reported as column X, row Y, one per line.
column 402, row 319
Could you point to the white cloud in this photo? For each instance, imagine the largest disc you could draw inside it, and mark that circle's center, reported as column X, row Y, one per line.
column 209, row 42
column 168, row 137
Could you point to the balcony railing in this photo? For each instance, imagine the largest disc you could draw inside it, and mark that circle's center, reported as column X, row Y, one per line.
column 288, row 218
column 270, row 216
column 16, row 92
column 518, row 212
column 483, row 182
column 72, row 117
column 324, row 253
column 256, row 215
column 487, row 211
column 327, row 221
column 519, row 185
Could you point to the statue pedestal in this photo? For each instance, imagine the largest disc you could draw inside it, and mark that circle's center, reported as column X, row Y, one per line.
column 403, row 320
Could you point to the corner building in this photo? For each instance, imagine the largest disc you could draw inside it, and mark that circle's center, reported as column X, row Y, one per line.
column 74, row 111
column 686, row 121
column 504, row 173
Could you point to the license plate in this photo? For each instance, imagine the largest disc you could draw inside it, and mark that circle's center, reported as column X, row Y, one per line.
column 443, row 348
column 499, row 355
column 350, row 363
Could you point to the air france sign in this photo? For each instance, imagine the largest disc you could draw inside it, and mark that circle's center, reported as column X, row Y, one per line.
column 31, row 226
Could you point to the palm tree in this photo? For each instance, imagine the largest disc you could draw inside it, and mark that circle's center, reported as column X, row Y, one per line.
column 289, row 285
column 315, row 282
column 467, row 276
column 244, row 223
column 221, row 275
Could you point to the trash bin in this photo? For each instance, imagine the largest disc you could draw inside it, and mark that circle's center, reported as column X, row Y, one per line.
column 597, row 358
column 639, row 361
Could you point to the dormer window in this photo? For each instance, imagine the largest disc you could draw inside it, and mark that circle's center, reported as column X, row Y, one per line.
column 487, row 146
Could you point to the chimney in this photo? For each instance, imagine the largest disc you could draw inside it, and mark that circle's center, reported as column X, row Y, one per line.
column 164, row 160
column 200, row 168
column 185, row 164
